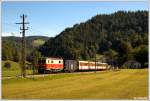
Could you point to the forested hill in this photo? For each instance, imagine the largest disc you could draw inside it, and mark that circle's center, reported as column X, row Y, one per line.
column 11, row 46
column 122, row 36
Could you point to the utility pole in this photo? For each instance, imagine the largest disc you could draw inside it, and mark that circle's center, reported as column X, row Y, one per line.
column 23, row 58
column 95, row 57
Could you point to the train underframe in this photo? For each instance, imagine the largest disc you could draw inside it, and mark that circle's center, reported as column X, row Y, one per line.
column 49, row 70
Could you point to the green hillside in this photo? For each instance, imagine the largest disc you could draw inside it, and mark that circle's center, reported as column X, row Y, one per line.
column 119, row 37
column 14, row 70
column 11, row 46
column 38, row 42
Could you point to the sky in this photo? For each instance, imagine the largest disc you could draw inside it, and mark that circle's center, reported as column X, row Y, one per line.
column 50, row 18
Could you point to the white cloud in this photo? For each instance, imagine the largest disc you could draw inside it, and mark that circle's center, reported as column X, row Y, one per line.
column 11, row 34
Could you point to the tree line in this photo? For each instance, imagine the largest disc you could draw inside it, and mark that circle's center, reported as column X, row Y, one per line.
column 11, row 47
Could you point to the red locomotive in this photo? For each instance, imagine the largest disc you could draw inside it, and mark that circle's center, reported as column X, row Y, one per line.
column 50, row 64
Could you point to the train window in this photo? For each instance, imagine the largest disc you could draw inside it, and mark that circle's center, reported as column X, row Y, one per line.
column 48, row 61
column 52, row 61
column 59, row 61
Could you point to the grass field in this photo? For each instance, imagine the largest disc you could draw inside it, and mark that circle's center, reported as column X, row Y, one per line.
column 13, row 71
column 38, row 42
column 122, row 84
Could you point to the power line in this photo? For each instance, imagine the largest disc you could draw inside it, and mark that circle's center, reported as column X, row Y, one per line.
column 34, row 30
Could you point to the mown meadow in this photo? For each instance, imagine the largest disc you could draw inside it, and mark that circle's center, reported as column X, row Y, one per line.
column 118, row 84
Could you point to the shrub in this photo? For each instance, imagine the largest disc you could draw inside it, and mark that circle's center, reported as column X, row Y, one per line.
column 7, row 65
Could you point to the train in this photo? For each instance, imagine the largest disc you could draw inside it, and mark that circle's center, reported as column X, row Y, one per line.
column 50, row 64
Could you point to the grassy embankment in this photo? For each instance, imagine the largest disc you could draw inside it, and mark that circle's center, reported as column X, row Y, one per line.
column 14, row 70
column 123, row 84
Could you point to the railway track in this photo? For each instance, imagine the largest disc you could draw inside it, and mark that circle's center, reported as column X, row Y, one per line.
column 48, row 74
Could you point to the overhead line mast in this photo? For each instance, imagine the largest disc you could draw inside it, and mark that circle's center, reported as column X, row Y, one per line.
column 23, row 52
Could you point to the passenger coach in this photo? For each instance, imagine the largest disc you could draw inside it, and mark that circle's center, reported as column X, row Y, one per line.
column 90, row 65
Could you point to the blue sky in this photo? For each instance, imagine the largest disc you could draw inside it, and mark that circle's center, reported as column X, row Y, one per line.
column 51, row 18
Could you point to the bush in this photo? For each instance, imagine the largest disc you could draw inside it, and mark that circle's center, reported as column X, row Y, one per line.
column 7, row 65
